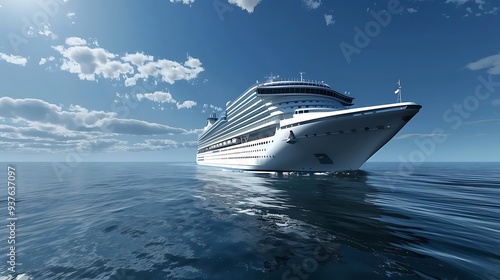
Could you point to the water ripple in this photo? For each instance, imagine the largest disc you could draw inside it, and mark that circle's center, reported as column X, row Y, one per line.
column 182, row 221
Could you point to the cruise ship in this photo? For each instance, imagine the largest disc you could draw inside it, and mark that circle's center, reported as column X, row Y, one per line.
column 298, row 126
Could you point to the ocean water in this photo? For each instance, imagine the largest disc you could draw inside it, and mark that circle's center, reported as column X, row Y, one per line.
column 153, row 221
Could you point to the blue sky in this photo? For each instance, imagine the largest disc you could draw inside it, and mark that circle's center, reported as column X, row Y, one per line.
column 114, row 81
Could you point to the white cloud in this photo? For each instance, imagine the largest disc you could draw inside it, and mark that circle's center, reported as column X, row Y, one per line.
column 45, row 31
column 169, row 71
column 188, row 2
column 482, row 6
column 329, row 19
column 247, row 5
column 90, row 63
column 492, row 63
column 70, row 15
column 50, row 139
column 75, row 41
column 138, row 58
column 37, row 112
column 312, row 4
column 186, row 104
column 39, row 132
column 493, row 11
column 44, row 60
column 161, row 144
column 165, row 97
column 458, row 2
column 196, row 131
column 157, row 96
column 145, row 67
column 411, row 10
column 14, row 59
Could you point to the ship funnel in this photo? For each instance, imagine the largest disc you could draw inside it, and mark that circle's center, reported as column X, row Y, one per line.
column 211, row 120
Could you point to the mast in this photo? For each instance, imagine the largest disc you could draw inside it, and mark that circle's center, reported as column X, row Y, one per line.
column 398, row 92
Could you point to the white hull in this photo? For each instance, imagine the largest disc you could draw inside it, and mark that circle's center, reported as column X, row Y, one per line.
column 320, row 142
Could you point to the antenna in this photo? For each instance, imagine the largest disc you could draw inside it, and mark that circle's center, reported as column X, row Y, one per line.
column 301, row 73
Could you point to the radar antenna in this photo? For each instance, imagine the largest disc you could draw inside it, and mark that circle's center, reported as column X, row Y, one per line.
column 271, row 77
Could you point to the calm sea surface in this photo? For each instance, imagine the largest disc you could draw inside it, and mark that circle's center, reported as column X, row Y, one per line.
column 153, row 221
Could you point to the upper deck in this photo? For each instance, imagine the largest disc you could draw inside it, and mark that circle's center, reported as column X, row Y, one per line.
column 303, row 87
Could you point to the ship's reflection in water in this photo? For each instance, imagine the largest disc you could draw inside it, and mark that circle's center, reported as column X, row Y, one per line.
column 314, row 226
